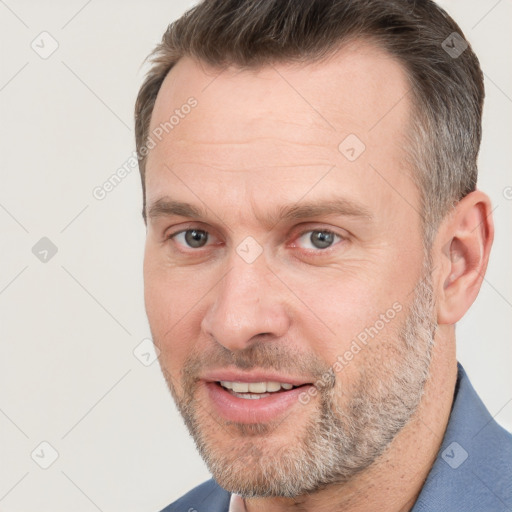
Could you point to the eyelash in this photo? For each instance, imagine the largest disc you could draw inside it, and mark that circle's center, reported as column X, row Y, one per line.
column 311, row 252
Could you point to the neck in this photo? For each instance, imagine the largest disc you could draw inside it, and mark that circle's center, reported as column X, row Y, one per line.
column 393, row 482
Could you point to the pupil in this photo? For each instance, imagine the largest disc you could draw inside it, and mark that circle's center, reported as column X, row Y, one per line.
column 322, row 239
column 196, row 237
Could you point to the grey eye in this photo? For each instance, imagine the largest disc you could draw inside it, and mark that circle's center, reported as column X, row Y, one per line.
column 318, row 239
column 196, row 238
column 322, row 239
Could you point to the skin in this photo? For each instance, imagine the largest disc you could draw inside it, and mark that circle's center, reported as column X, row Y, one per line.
column 262, row 139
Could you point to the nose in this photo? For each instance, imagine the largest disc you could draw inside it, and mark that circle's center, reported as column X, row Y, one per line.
column 247, row 304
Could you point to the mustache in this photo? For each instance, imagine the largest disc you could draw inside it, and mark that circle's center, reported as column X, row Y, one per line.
column 263, row 355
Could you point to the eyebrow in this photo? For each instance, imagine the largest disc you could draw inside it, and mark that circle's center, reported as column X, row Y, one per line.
column 167, row 207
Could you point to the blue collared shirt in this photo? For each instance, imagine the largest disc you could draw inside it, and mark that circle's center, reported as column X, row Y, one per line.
column 473, row 470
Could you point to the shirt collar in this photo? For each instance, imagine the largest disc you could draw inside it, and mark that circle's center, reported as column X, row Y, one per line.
column 236, row 504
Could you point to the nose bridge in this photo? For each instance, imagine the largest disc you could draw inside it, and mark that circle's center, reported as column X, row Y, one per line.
column 241, row 283
column 245, row 304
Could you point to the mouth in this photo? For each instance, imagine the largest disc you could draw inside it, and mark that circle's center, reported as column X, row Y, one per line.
column 245, row 398
column 256, row 390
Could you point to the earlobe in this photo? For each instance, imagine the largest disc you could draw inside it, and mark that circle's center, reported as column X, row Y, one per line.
column 467, row 237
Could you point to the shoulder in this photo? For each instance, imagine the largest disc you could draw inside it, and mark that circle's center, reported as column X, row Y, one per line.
column 207, row 496
column 473, row 470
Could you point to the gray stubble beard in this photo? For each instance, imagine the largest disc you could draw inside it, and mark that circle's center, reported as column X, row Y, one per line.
column 338, row 442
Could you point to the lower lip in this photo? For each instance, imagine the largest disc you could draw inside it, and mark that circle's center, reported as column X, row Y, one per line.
column 260, row 410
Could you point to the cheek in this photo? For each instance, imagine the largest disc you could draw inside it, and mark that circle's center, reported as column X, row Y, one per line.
column 173, row 308
column 342, row 309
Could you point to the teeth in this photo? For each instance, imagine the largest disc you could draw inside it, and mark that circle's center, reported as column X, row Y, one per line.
column 251, row 396
column 255, row 387
column 271, row 386
column 258, row 387
column 240, row 387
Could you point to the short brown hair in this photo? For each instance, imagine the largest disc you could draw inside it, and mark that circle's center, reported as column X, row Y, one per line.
column 445, row 76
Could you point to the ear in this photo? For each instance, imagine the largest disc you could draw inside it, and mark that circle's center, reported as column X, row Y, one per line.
column 463, row 245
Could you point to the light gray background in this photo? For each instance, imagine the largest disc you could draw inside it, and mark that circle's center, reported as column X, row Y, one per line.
column 69, row 326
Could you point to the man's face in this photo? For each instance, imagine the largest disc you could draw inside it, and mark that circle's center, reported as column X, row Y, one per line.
column 275, row 254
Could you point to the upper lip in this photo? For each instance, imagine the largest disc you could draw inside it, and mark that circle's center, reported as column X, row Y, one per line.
column 256, row 376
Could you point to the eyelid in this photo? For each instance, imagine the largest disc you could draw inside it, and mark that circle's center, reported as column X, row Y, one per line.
column 186, row 226
column 318, row 251
column 213, row 239
column 338, row 232
column 172, row 233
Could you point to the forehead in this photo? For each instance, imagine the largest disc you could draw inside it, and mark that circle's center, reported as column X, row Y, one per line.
column 283, row 123
column 358, row 82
